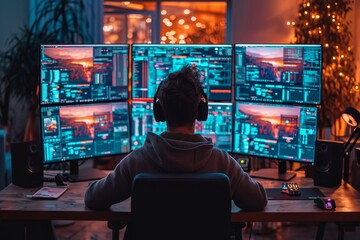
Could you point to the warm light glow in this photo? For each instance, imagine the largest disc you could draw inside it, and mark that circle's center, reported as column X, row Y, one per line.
column 198, row 24
column 181, row 21
column 148, row 20
column 288, row 23
column 293, row 23
column 326, row 45
column 193, row 18
column 163, row 12
column 328, row 6
column 107, row 28
column 186, row 11
column 186, row 26
column 163, row 38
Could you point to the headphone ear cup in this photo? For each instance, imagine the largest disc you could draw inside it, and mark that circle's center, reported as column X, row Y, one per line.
column 203, row 109
column 158, row 112
column 157, row 108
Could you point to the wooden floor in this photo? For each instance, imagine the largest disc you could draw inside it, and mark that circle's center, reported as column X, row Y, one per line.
column 93, row 230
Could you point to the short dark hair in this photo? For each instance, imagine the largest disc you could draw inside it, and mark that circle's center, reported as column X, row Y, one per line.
column 179, row 95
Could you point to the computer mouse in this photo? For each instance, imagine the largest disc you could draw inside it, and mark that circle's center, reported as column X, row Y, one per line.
column 325, row 203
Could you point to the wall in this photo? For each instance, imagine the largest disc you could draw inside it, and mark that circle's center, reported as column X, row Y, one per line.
column 13, row 14
column 259, row 21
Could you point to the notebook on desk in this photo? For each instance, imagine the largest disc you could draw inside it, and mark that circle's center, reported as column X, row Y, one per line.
column 49, row 192
column 305, row 194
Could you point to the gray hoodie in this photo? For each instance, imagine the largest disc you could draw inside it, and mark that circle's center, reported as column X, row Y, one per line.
column 180, row 153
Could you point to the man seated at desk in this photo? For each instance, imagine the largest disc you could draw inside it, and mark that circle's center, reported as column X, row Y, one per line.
column 179, row 100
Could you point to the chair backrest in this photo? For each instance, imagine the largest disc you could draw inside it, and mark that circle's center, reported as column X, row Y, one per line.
column 180, row 206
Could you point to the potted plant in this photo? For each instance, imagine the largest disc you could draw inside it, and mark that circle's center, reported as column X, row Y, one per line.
column 57, row 22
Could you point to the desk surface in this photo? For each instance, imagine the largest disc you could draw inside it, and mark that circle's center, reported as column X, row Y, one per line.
column 15, row 205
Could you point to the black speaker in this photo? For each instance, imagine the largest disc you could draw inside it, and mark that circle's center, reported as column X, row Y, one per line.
column 27, row 164
column 328, row 164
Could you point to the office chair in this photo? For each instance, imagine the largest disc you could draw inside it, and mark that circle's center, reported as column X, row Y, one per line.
column 191, row 206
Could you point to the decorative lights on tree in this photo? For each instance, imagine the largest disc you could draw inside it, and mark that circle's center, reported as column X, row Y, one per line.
column 325, row 22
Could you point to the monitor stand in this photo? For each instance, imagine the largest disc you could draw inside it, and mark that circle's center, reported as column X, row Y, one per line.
column 85, row 174
column 279, row 174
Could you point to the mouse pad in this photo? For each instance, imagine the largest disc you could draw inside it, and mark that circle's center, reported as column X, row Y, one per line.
column 306, row 194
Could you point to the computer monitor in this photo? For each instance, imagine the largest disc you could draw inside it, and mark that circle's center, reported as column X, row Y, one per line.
column 284, row 73
column 218, row 126
column 83, row 131
column 151, row 63
column 142, row 122
column 83, row 73
column 275, row 131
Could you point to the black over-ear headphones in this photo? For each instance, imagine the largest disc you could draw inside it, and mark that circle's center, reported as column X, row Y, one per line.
column 202, row 108
column 157, row 109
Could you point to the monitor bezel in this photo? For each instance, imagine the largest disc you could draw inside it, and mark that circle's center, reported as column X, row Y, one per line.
column 258, row 156
column 70, row 160
column 170, row 45
column 42, row 46
column 279, row 45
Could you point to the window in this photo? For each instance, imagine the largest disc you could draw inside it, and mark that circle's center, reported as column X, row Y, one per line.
column 170, row 22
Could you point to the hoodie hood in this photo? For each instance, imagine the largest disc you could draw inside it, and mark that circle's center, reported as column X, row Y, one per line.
column 174, row 152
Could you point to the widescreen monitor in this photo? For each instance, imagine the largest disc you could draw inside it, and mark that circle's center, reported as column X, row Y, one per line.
column 75, row 132
column 275, row 131
column 83, row 73
column 151, row 63
column 289, row 73
column 218, row 126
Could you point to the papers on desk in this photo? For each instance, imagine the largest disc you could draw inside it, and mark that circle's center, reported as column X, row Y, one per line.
column 49, row 192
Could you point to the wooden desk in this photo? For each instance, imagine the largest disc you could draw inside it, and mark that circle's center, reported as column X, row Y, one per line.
column 14, row 205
